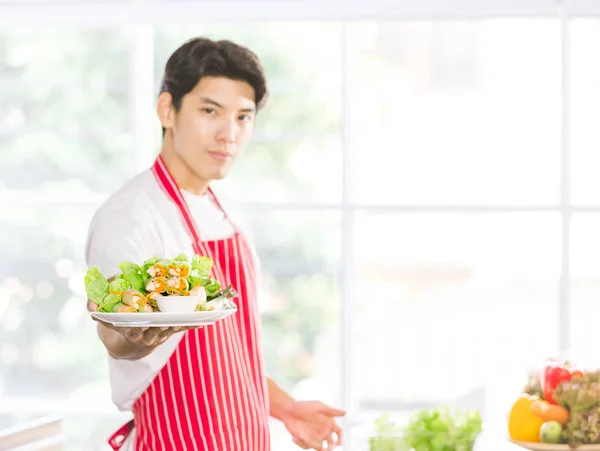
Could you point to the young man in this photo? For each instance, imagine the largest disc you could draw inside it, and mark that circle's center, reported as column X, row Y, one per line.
column 202, row 389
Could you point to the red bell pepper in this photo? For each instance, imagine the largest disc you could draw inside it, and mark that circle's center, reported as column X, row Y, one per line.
column 554, row 373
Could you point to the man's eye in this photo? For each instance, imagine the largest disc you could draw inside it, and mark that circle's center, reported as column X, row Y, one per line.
column 208, row 110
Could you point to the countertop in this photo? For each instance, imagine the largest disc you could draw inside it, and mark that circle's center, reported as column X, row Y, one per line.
column 30, row 433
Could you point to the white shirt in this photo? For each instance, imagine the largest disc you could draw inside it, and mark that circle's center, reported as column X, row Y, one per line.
column 136, row 223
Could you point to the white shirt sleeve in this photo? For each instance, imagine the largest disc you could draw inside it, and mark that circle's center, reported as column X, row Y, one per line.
column 120, row 233
column 124, row 232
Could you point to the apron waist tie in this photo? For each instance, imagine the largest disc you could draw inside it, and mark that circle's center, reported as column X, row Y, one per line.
column 116, row 440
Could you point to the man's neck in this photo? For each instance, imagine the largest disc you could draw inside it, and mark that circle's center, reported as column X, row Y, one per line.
column 181, row 172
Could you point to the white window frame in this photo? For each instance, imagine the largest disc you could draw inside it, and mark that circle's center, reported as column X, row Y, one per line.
column 156, row 11
column 581, row 8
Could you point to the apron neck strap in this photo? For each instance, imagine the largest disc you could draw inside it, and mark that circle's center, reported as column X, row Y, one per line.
column 169, row 186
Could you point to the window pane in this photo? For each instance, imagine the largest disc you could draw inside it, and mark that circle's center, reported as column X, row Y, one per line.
column 455, row 112
column 297, row 137
column 299, row 302
column 64, row 116
column 299, row 298
column 585, row 110
column 585, row 288
column 49, row 350
column 447, row 304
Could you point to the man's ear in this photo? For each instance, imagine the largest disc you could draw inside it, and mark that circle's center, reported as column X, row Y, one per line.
column 165, row 110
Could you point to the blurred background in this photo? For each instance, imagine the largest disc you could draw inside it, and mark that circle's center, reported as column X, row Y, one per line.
column 422, row 188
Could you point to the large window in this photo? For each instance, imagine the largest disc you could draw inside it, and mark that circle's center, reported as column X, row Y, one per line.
column 455, row 113
column 428, row 139
column 584, row 103
column 422, row 194
column 66, row 138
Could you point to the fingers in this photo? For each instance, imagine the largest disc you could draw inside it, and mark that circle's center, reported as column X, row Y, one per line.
column 156, row 336
column 328, row 436
column 133, row 333
column 143, row 335
column 306, row 443
column 162, row 337
column 316, row 445
column 337, row 430
column 147, row 336
column 331, row 443
column 329, row 411
column 182, row 328
column 315, row 438
column 301, row 443
column 331, row 436
column 105, row 324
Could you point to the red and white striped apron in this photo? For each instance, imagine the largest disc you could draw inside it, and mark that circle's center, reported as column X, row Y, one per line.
column 212, row 393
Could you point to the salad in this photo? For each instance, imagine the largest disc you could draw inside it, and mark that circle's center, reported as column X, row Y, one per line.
column 137, row 287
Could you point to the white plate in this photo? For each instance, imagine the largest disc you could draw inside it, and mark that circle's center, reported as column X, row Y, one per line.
column 549, row 447
column 162, row 319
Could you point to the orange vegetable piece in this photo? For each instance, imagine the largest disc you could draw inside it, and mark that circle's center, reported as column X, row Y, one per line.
column 550, row 412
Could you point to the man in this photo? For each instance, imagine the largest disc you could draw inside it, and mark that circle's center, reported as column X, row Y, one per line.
column 201, row 389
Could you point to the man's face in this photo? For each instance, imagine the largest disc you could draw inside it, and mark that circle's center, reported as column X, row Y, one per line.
column 213, row 125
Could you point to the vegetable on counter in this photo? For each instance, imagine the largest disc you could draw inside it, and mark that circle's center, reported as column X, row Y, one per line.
column 523, row 424
column 437, row 429
column 387, row 436
column 550, row 412
column 135, row 289
column 551, row 432
column 553, row 374
column 567, row 412
column 581, row 397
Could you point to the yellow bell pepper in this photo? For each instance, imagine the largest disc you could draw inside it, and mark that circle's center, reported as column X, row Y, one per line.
column 523, row 424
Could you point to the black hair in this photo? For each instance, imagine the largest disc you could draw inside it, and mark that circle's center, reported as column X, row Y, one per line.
column 203, row 57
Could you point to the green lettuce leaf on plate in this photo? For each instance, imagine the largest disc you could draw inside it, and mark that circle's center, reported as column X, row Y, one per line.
column 144, row 270
column 118, row 286
column 181, row 258
column 201, row 266
column 96, row 285
column 200, row 271
column 132, row 274
column 128, row 267
column 109, row 303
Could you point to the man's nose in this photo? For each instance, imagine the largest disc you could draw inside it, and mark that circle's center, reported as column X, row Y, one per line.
column 228, row 132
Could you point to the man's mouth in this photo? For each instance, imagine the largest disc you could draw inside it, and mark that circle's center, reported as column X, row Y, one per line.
column 220, row 155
